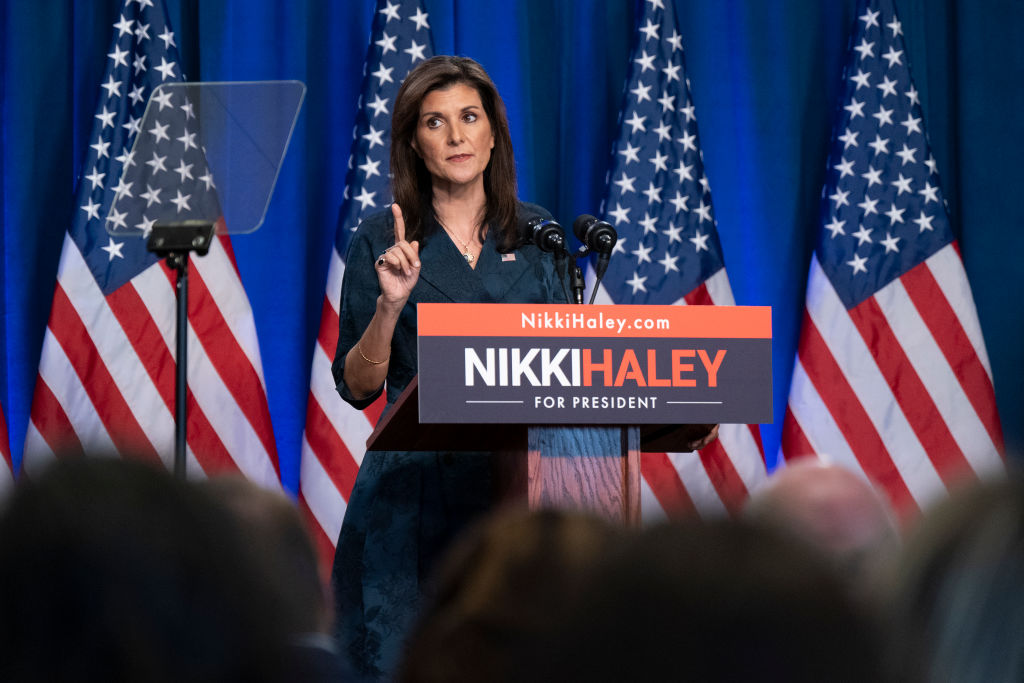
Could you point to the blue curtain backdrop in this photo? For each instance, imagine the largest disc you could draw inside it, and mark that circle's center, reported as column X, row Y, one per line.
column 764, row 77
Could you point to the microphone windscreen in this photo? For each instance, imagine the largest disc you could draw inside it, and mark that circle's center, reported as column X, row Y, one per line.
column 581, row 225
column 526, row 221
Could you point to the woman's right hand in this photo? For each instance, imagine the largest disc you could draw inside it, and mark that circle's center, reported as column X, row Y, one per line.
column 398, row 268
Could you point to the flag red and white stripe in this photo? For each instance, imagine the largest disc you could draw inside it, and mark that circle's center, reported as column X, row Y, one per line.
column 106, row 375
column 334, row 440
column 6, row 465
column 898, row 388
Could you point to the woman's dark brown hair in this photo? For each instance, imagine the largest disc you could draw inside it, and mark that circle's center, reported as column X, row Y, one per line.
column 411, row 182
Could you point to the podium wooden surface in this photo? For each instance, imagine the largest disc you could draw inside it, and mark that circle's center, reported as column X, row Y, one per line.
column 587, row 467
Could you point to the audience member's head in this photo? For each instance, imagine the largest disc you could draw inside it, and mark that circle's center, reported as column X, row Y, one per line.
column 722, row 601
column 836, row 511
column 501, row 594
column 959, row 603
column 272, row 528
column 112, row 570
column 284, row 559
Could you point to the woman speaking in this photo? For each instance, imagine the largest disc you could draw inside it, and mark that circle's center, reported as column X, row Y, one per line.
column 451, row 236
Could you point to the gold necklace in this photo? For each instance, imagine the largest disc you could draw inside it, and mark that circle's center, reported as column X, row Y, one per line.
column 467, row 254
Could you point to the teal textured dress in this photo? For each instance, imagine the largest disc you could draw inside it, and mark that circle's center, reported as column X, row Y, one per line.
column 407, row 506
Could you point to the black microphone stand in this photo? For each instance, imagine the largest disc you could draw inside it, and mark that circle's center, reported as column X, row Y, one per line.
column 599, row 270
column 576, row 281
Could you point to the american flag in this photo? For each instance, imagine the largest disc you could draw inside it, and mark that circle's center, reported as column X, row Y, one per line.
column 335, row 435
column 106, row 375
column 668, row 252
column 891, row 375
column 6, row 466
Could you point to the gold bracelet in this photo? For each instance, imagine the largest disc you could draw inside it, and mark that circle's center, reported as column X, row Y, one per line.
column 371, row 362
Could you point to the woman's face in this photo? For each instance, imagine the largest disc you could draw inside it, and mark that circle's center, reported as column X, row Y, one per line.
column 453, row 136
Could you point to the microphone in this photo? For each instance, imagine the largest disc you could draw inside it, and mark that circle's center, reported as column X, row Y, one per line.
column 598, row 235
column 547, row 235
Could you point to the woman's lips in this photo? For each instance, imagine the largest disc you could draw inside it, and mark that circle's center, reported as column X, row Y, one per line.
column 459, row 157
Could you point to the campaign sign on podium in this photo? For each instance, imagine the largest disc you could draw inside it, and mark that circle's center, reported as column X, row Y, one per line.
column 612, row 365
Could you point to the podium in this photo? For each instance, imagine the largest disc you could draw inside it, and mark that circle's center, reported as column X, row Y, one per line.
column 569, row 396
column 584, row 467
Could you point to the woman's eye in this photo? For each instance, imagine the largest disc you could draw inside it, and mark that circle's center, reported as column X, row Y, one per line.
column 433, row 123
column 469, row 117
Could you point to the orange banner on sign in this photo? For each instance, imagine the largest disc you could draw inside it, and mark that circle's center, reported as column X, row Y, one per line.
column 563, row 320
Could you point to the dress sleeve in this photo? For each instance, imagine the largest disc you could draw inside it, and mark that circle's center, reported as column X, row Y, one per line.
column 359, row 292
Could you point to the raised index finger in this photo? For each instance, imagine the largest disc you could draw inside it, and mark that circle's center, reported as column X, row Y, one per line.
column 396, row 211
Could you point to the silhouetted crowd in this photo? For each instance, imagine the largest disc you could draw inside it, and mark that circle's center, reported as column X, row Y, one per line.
column 112, row 570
